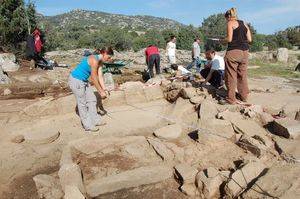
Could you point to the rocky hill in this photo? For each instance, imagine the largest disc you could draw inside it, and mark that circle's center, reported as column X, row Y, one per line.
column 93, row 19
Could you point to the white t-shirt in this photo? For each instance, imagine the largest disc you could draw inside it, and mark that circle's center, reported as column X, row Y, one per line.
column 171, row 49
column 183, row 70
column 196, row 49
column 218, row 63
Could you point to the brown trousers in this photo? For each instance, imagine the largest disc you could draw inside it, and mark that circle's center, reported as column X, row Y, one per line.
column 236, row 62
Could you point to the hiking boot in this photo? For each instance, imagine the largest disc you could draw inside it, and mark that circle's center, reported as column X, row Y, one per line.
column 94, row 129
column 102, row 123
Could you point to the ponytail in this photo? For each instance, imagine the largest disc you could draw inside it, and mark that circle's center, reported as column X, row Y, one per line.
column 232, row 13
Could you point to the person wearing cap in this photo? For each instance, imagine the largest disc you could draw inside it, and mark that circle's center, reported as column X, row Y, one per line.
column 213, row 71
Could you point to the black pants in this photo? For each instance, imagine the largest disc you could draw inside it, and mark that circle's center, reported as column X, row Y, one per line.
column 154, row 60
column 216, row 79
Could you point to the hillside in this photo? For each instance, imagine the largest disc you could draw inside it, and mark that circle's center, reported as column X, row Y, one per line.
column 92, row 19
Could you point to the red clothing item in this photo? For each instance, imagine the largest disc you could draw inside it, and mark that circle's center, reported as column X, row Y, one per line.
column 151, row 50
column 38, row 44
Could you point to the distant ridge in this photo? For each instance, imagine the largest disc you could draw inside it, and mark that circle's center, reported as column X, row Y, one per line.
column 85, row 18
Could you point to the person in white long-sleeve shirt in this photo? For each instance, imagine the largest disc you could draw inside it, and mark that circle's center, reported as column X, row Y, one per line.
column 171, row 50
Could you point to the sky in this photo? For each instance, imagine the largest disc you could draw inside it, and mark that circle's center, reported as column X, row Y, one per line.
column 267, row 16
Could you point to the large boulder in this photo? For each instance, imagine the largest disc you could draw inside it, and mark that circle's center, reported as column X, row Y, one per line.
column 282, row 55
column 8, row 62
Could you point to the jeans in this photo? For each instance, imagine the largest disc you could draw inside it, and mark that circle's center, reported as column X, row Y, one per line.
column 154, row 60
column 197, row 62
column 86, row 102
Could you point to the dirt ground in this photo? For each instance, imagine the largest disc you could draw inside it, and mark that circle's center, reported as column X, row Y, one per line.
column 20, row 162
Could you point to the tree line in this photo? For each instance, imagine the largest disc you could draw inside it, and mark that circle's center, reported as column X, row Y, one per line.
column 17, row 19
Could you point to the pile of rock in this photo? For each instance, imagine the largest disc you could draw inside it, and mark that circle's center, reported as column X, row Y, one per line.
column 212, row 151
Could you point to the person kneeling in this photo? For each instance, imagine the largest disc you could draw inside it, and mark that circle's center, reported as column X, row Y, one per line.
column 214, row 69
column 181, row 72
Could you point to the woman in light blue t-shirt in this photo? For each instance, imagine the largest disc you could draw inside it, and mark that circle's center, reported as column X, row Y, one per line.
column 89, row 68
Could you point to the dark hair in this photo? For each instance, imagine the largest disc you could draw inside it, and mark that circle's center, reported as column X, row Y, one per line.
column 210, row 51
column 103, row 50
column 197, row 38
column 174, row 66
column 172, row 37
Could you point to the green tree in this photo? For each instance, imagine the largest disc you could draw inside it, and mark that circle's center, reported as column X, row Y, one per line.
column 282, row 40
column 15, row 21
column 186, row 36
column 31, row 16
column 214, row 26
column 293, row 35
column 258, row 42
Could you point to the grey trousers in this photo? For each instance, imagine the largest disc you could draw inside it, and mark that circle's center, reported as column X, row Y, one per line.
column 86, row 102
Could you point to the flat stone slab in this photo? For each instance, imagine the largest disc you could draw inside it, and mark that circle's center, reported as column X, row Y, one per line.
column 242, row 177
column 72, row 192
column 92, row 145
column 287, row 147
column 153, row 92
column 129, row 179
column 185, row 173
column 161, row 149
column 169, row 132
column 44, row 136
column 47, row 187
column 286, row 128
column 208, row 110
column 221, row 128
column 281, row 181
column 252, row 129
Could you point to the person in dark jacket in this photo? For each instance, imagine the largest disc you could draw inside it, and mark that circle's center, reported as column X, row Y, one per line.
column 34, row 47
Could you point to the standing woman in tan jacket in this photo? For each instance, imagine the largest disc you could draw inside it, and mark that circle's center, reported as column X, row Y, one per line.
column 236, row 58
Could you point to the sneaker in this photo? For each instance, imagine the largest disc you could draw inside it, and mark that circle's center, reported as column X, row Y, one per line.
column 94, row 129
column 102, row 123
